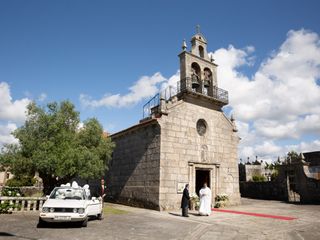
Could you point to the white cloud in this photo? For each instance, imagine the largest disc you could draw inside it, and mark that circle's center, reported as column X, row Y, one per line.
column 80, row 125
column 144, row 88
column 284, row 87
column 42, row 97
column 11, row 110
column 169, row 87
column 267, row 148
column 5, row 134
column 281, row 100
column 304, row 146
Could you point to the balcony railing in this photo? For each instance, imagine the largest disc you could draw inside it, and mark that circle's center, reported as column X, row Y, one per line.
column 185, row 85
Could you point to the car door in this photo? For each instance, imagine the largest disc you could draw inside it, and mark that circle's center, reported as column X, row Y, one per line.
column 94, row 206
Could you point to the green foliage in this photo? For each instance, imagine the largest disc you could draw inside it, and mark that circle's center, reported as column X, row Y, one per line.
column 218, row 205
column 274, row 175
column 292, row 157
column 11, row 192
column 110, row 210
column 259, row 178
column 221, row 197
column 275, row 165
column 51, row 144
column 6, row 207
column 221, row 200
column 21, row 181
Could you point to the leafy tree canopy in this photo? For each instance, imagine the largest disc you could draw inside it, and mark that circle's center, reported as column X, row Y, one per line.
column 292, row 156
column 52, row 144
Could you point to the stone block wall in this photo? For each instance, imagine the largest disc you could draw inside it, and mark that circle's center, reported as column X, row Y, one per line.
column 133, row 174
column 275, row 190
column 183, row 151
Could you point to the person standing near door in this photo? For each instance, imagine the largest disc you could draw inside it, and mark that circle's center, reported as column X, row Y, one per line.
column 205, row 201
column 185, row 201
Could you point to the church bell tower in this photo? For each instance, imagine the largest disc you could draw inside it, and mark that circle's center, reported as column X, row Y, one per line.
column 198, row 72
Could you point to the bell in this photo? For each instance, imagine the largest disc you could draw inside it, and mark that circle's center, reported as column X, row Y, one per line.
column 206, row 83
column 195, row 83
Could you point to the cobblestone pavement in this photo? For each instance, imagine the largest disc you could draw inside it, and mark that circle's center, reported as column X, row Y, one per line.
column 148, row 224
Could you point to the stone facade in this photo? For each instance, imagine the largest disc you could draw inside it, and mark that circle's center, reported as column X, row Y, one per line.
column 185, row 139
column 184, row 151
column 134, row 175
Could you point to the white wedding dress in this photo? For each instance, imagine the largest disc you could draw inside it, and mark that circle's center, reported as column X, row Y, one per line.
column 205, row 201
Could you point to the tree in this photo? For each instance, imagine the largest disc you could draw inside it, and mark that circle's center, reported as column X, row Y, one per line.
column 259, row 178
column 51, row 143
column 292, row 157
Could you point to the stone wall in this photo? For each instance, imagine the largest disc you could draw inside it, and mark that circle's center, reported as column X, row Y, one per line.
column 247, row 171
column 4, row 177
column 293, row 184
column 133, row 176
column 264, row 190
column 183, row 150
column 301, row 182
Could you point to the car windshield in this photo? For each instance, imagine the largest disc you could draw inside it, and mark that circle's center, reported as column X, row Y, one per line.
column 67, row 193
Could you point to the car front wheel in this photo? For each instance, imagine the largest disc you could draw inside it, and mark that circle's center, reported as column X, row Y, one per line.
column 100, row 216
column 41, row 223
column 84, row 223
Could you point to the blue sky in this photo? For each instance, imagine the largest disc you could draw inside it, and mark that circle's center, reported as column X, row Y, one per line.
column 56, row 50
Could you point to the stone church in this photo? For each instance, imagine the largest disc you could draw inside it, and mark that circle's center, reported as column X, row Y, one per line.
column 184, row 137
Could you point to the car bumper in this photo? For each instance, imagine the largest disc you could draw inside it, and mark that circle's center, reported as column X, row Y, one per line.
column 63, row 217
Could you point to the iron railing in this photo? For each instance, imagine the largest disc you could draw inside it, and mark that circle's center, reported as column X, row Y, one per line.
column 185, row 85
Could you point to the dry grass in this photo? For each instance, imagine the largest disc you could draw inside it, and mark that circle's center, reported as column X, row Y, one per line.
column 109, row 210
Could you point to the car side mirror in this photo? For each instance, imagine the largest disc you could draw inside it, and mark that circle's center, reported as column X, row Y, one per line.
column 47, row 197
column 93, row 198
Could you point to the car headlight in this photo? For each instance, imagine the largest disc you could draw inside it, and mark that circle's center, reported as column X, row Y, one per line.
column 75, row 210
column 45, row 209
column 52, row 210
column 81, row 210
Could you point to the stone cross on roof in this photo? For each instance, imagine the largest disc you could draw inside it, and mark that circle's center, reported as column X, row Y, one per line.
column 198, row 29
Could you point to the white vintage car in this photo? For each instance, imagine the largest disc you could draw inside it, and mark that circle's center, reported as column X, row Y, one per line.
column 70, row 204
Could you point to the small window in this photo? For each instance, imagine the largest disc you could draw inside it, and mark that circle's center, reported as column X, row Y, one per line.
column 201, row 127
column 201, row 51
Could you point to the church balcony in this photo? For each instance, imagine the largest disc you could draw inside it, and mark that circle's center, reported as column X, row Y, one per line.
column 212, row 93
column 219, row 95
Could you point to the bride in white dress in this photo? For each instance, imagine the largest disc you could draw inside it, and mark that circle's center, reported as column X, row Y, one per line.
column 205, row 201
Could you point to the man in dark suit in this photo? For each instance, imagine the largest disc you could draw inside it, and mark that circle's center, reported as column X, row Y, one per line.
column 185, row 201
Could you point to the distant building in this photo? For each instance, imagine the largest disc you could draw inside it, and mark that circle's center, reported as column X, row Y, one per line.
column 313, row 160
column 248, row 170
column 184, row 138
column 298, row 180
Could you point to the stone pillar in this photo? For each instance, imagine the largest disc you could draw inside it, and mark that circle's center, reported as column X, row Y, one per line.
column 217, row 187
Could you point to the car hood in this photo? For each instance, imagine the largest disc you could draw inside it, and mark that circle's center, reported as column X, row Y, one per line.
column 60, row 203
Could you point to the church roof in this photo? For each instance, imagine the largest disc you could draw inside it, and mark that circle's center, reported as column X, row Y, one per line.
column 134, row 127
column 200, row 37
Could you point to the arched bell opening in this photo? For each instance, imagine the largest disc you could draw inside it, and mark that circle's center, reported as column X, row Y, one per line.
column 201, row 51
column 207, row 81
column 195, row 76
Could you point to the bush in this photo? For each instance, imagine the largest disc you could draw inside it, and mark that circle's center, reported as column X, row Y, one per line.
column 259, row 178
column 11, row 192
column 21, row 182
column 195, row 201
column 7, row 207
column 274, row 175
column 221, row 197
column 221, row 200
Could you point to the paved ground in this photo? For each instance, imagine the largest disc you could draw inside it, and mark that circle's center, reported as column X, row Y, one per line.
column 147, row 224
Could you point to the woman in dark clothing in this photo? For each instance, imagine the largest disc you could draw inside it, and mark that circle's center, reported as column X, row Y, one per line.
column 185, row 201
